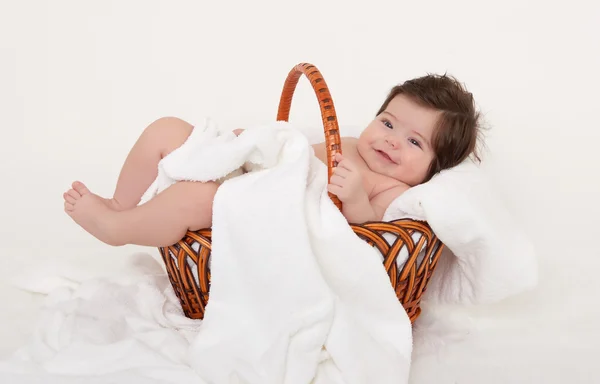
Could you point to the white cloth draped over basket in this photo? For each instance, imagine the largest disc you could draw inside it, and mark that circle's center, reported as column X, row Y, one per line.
column 296, row 296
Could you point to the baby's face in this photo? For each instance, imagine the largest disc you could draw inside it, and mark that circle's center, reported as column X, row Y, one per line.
column 398, row 142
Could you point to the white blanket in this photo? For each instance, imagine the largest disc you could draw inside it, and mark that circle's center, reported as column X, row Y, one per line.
column 294, row 293
column 128, row 328
column 296, row 297
column 487, row 256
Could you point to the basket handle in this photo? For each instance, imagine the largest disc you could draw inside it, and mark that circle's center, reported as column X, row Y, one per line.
column 330, row 125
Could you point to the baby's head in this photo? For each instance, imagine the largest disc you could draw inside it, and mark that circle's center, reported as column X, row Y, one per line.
column 425, row 125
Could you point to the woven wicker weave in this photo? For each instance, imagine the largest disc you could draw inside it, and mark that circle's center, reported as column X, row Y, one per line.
column 190, row 256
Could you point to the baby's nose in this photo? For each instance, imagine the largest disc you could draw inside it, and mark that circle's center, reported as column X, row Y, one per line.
column 392, row 141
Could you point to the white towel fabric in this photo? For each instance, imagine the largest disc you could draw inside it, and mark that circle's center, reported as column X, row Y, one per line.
column 294, row 292
column 128, row 328
column 296, row 297
column 487, row 257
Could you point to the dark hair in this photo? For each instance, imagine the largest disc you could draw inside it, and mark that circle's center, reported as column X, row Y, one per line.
column 458, row 128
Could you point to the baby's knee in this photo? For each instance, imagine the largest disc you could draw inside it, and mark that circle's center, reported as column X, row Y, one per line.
column 170, row 124
column 169, row 133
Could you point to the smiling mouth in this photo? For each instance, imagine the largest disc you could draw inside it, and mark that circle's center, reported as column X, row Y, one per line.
column 385, row 156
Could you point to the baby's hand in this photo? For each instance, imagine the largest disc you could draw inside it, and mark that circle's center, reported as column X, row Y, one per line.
column 346, row 182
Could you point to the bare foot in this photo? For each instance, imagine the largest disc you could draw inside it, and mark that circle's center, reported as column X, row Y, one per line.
column 93, row 213
column 113, row 204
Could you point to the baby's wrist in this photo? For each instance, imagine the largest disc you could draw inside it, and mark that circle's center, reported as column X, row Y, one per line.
column 358, row 211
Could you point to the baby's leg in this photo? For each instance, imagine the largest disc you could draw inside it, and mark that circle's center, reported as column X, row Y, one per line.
column 160, row 222
column 154, row 223
column 141, row 165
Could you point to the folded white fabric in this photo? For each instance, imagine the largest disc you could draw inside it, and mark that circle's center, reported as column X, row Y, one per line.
column 487, row 257
column 213, row 155
column 126, row 328
column 295, row 295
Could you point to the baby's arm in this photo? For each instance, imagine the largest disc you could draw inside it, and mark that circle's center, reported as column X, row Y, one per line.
column 359, row 211
column 346, row 183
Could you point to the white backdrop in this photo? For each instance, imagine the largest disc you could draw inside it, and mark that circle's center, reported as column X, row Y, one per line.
column 79, row 80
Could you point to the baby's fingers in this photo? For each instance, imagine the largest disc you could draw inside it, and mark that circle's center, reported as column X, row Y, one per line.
column 342, row 172
column 336, row 180
column 347, row 164
column 335, row 189
column 341, row 160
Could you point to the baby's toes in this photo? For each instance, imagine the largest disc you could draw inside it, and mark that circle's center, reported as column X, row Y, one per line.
column 80, row 188
column 71, row 196
column 69, row 207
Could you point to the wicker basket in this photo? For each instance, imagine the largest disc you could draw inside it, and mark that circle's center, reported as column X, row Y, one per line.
column 187, row 261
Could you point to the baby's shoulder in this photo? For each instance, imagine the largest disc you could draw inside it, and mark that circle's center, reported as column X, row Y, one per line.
column 349, row 141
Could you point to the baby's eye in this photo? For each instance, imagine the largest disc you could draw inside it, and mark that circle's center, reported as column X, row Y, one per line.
column 388, row 124
column 415, row 142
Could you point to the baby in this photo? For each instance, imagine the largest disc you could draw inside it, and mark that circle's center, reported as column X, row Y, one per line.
column 425, row 125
